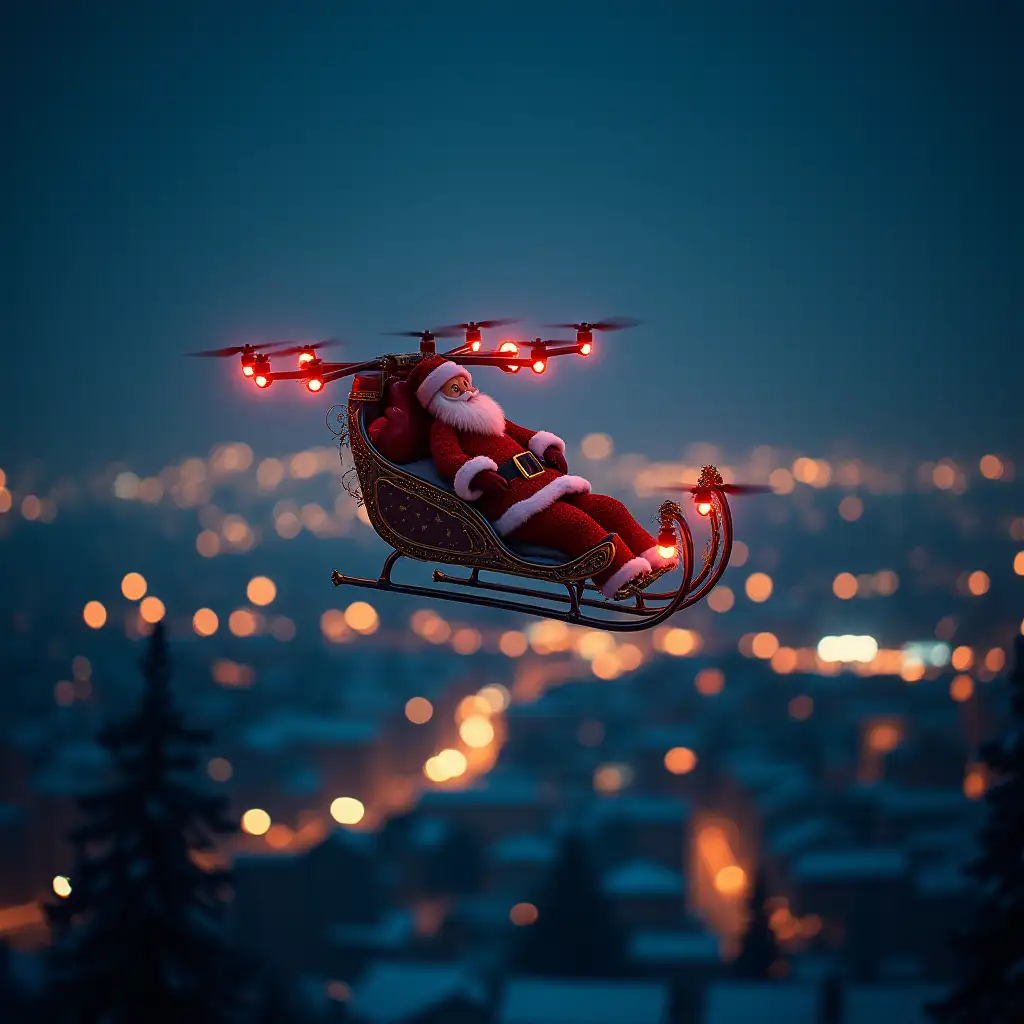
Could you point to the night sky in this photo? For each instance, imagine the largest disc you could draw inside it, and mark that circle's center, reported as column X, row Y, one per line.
column 815, row 208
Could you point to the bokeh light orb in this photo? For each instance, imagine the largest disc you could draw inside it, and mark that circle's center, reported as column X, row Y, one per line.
column 731, row 880
column 362, row 617
column 256, row 822
column 94, row 615
column 347, row 810
column 205, row 622
column 151, row 610
column 418, row 710
column 133, row 586
column 261, row 591
column 476, row 732
column 680, row 760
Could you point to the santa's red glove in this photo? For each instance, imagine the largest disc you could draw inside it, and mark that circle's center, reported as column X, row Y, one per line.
column 555, row 459
column 490, row 483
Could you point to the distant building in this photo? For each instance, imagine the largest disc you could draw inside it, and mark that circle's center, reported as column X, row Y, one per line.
column 647, row 895
column 285, row 903
column 881, row 1004
column 732, row 1002
column 408, row 993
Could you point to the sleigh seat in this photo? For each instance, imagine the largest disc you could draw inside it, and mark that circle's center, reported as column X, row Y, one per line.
column 425, row 469
column 412, row 508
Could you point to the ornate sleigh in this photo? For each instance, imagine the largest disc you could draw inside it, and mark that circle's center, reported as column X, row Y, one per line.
column 422, row 519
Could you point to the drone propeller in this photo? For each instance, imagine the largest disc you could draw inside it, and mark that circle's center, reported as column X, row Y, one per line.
column 724, row 488
column 450, row 330
column 297, row 349
column 613, row 323
column 237, row 350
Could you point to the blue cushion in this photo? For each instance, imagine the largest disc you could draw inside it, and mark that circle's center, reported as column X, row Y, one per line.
column 533, row 553
column 426, row 470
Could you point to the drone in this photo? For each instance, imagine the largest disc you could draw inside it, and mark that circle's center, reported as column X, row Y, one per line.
column 421, row 518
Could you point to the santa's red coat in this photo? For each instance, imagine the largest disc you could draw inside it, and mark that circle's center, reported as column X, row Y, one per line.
column 460, row 454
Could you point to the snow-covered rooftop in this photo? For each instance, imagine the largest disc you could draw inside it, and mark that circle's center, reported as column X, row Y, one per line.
column 852, row 864
column 676, row 947
column 524, row 849
column 539, row 1001
column 875, row 1004
column 390, row 993
column 291, row 729
column 764, row 1002
column 643, row 878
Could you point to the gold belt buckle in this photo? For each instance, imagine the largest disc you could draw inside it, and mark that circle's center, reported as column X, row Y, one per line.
column 523, row 470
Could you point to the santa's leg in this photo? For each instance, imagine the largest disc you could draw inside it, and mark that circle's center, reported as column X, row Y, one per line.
column 616, row 518
column 571, row 531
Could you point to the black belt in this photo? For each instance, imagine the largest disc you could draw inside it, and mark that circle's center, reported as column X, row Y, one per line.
column 525, row 464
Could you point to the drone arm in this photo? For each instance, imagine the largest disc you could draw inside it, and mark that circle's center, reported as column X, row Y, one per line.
column 485, row 359
column 501, row 359
column 288, row 375
column 370, row 364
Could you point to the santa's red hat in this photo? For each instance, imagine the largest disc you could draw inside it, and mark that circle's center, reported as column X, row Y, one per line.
column 431, row 374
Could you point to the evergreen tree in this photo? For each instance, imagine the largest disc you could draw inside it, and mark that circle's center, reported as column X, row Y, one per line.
column 576, row 934
column 141, row 935
column 759, row 951
column 991, row 984
column 14, row 1003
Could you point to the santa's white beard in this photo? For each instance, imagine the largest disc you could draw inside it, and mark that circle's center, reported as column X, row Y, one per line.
column 475, row 413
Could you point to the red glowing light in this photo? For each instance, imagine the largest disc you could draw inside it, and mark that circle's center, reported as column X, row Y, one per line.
column 475, row 346
column 262, row 381
column 305, row 357
column 539, row 365
column 510, row 348
column 248, row 371
column 314, row 384
column 667, row 542
column 586, row 348
column 704, row 507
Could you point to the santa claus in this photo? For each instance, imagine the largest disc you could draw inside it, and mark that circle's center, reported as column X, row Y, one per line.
column 519, row 479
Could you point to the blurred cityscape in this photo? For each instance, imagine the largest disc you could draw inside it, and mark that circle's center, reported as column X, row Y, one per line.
column 409, row 779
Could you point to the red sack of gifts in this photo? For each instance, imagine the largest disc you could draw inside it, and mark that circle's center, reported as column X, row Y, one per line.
column 402, row 434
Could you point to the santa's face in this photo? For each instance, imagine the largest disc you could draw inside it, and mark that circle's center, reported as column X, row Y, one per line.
column 465, row 407
column 457, row 387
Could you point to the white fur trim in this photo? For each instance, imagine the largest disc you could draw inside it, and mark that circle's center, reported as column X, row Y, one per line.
column 633, row 568
column 479, row 414
column 543, row 440
column 657, row 560
column 514, row 517
column 465, row 474
column 437, row 378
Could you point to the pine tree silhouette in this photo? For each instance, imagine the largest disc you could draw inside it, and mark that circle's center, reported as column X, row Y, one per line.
column 991, row 985
column 576, row 934
column 140, row 937
column 14, row 1005
column 759, row 950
